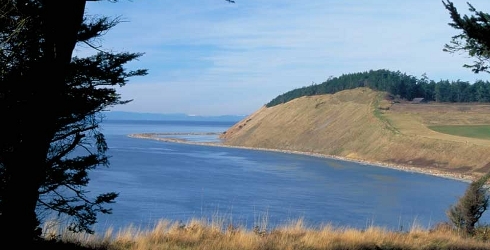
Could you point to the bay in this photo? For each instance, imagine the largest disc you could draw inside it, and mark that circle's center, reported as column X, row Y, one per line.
column 179, row 182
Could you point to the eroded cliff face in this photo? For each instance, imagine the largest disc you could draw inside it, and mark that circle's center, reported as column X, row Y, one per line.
column 352, row 124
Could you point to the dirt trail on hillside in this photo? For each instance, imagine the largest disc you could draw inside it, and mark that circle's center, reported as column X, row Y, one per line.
column 350, row 126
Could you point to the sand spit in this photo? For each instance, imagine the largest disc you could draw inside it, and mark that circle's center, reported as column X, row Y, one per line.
column 442, row 174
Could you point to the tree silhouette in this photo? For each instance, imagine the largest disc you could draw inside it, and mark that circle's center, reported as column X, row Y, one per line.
column 466, row 213
column 474, row 38
column 50, row 104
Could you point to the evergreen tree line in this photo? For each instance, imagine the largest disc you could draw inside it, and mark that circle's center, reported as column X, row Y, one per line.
column 398, row 84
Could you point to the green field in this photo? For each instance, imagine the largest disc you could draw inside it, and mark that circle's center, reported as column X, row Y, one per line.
column 472, row 131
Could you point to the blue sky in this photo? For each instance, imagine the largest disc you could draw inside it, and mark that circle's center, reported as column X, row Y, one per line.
column 210, row 57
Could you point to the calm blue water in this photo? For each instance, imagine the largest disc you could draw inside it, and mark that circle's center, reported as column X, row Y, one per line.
column 162, row 180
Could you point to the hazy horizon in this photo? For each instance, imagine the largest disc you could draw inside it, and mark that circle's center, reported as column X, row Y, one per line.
column 213, row 57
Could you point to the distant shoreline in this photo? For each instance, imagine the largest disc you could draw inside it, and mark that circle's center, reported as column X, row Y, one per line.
column 447, row 175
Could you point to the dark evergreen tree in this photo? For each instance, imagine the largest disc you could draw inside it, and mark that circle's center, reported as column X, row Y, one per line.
column 474, row 38
column 482, row 91
column 466, row 213
column 50, row 104
column 397, row 84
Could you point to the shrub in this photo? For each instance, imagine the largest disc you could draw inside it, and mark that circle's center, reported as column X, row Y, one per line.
column 470, row 207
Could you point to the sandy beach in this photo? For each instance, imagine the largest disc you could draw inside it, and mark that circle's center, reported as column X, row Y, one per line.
column 453, row 176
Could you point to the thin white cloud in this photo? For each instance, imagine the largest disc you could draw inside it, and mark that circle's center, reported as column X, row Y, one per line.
column 212, row 57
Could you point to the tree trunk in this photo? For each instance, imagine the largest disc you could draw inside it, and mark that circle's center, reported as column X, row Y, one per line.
column 26, row 171
column 26, row 166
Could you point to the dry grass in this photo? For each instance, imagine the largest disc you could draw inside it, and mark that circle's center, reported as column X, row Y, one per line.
column 198, row 234
column 360, row 125
column 415, row 120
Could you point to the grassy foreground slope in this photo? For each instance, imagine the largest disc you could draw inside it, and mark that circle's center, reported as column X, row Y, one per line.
column 361, row 124
column 202, row 235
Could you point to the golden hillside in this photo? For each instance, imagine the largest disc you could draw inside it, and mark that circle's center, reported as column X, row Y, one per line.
column 360, row 124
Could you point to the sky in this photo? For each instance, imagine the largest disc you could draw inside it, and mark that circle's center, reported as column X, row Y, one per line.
column 211, row 57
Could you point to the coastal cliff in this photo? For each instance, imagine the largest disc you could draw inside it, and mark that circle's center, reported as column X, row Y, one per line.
column 366, row 125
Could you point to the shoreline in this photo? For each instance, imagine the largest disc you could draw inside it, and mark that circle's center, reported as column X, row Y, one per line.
column 441, row 174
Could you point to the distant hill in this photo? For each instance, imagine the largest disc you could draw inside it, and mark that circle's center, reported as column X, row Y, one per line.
column 122, row 115
column 398, row 84
column 363, row 124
